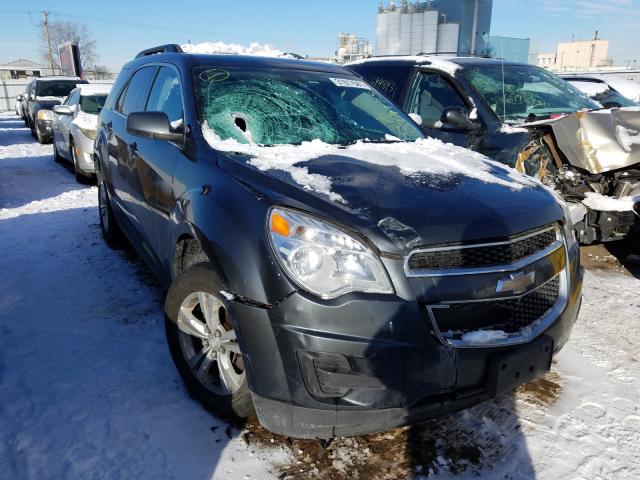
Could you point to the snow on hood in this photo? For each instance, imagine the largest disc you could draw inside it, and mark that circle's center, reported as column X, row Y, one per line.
column 600, row 203
column 87, row 121
column 425, row 155
column 49, row 99
column 215, row 48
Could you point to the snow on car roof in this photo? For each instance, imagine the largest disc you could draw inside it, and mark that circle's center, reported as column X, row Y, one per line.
column 440, row 63
column 217, row 48
column 593, row 89
column 88, row 89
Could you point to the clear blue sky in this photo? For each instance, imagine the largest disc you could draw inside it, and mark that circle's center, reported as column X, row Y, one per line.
column 122, row 28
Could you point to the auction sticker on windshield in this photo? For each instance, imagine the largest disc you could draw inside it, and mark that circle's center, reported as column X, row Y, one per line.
column 344, row 82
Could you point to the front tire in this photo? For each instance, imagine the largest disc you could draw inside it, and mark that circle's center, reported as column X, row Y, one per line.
column 41, row 138
column 203, row 343
column 108, row 223
column 80, row 177
column 56, row 156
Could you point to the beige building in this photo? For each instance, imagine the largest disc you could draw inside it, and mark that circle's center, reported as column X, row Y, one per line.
column 577, row 56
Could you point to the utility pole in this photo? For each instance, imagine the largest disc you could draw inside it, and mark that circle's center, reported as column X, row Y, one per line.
column 46, row 32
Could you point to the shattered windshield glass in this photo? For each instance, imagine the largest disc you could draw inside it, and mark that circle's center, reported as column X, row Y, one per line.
column 521, row 93
column 277, row 106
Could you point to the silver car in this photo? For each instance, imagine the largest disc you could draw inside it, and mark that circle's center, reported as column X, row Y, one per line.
column 74, row 128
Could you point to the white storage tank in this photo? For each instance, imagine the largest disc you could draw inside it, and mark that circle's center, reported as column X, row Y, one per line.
column 382, row 34
column 448, row 36
column 393, row 38
column 430, row 33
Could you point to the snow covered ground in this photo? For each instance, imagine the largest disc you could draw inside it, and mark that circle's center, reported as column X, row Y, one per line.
column 88, row 390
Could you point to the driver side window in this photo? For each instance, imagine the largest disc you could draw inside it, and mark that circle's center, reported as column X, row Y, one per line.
column 431, row 95
column 166, row 96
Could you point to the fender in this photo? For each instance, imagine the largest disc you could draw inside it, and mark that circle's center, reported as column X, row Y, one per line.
column 232, row 232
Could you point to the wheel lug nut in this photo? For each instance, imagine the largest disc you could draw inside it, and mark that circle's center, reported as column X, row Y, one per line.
column 218, row 333
column 222, row 349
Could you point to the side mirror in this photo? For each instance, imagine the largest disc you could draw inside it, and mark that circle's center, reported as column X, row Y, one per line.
column 458, row 118
column 153, row 125
column 612, row 105
column 416, row 118
column 32, row 96
column 63, row 110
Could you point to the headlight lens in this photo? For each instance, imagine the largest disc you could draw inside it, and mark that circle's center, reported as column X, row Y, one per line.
column 89, row 132
column 323, row 259
column 45, row 115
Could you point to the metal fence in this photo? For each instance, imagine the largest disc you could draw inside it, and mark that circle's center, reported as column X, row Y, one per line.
column 10, row 88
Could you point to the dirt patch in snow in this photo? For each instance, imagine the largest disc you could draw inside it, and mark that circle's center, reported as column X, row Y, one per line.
column 621, row 257
column 543, row 391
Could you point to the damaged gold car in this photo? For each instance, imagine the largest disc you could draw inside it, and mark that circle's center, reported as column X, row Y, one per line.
column 532, row 120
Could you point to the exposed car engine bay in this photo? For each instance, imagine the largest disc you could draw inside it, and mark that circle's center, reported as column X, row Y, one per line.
column 593, row 160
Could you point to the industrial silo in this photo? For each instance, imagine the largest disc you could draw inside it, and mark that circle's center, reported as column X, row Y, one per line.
column 448, row 36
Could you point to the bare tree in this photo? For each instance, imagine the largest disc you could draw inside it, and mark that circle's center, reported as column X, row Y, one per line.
column 62, row 32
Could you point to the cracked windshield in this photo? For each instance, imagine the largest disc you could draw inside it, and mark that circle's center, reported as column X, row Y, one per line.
column 273, row 107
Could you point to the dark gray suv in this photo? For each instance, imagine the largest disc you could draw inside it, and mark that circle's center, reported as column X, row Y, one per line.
column 327, row 266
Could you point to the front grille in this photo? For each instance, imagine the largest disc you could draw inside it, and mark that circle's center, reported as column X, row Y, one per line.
column 510, row 316
column 482, row 256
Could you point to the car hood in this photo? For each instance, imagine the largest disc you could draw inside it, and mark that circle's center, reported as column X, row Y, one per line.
column 371, row 188
column 597, row 141
column 47, row 103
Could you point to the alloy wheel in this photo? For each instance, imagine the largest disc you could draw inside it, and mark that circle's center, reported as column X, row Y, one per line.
column 209, row 344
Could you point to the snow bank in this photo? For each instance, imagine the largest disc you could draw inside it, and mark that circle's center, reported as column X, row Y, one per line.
column 600, row 203
column 427, row 155
column 216, row 48
column 87, row 121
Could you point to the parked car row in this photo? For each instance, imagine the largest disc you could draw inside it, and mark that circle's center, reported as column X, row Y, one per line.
column 530, row 119
column 328, row 266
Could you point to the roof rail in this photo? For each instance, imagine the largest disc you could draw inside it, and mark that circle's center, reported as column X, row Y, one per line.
column 169, row 48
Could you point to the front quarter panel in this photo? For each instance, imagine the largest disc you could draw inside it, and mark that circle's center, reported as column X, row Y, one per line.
column 229, row 221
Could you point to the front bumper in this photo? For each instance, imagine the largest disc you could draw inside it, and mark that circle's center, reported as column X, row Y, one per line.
column 599, row 226
column 45, row 127
column 359, row 364
column 84, row 152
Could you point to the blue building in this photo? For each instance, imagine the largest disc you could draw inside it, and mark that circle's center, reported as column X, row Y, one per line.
column 520, row 50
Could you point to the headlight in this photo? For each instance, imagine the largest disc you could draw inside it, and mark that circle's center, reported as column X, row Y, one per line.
column 45, row 115
column 323, row 259
column 89, row 132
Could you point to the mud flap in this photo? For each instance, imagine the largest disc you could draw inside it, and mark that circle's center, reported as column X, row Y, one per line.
column 520, row 366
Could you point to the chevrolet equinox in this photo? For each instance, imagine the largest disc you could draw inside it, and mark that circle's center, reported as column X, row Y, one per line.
column 328, row 267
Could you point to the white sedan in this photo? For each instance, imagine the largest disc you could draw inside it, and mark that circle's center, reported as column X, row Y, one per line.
column 75, row 125
column 608, row 90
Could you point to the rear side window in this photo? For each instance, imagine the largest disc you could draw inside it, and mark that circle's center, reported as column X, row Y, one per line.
column 389, row 80
column 131, row 100
column 166, row 96
column 117, row 86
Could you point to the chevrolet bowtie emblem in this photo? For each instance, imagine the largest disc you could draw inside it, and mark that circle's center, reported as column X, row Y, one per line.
column 517, row 283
